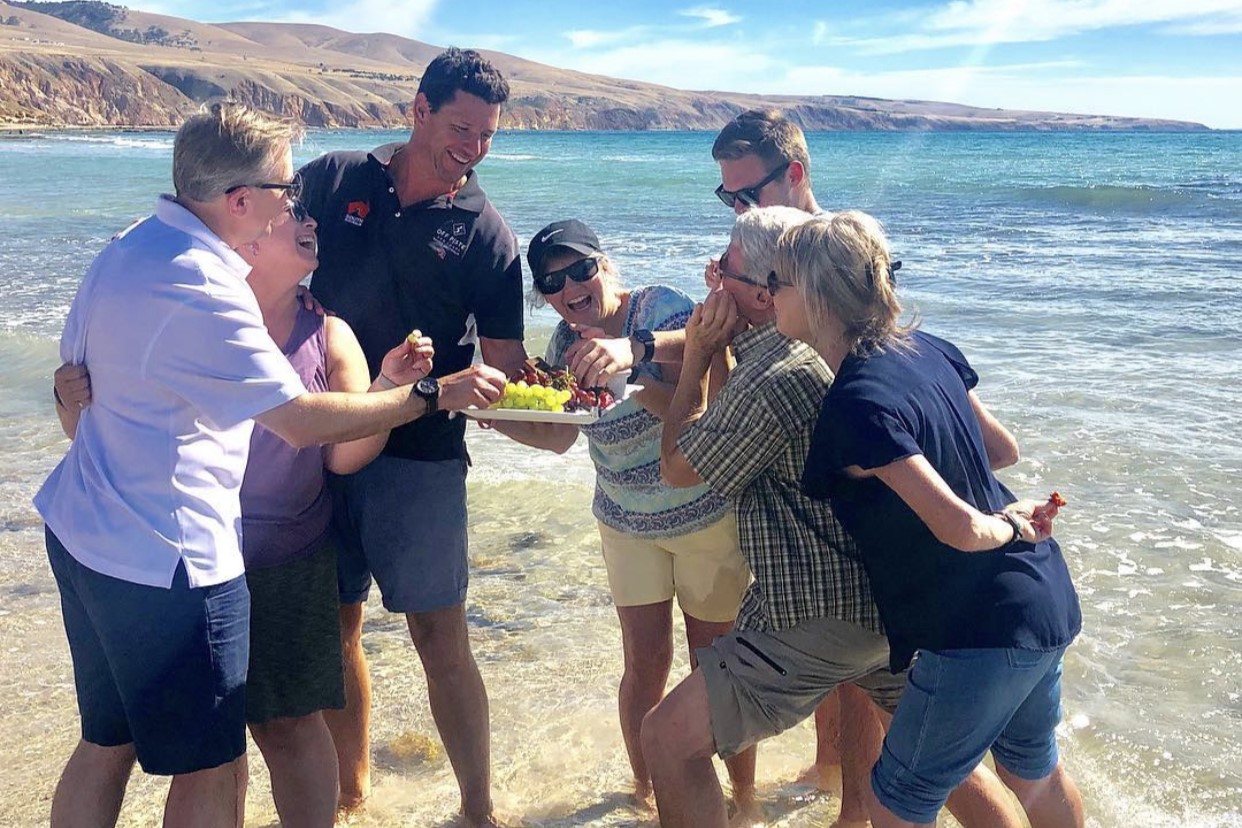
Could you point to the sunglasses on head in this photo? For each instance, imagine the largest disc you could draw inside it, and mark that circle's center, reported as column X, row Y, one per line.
column 749, row 195
column 553, row 281
column 775, row 284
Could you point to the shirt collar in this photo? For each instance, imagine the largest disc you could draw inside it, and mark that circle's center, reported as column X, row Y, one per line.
column 758, row 339
column 469, row 196
column 176, row 216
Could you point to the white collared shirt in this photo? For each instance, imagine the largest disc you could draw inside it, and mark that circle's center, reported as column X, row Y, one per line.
column 180, row 363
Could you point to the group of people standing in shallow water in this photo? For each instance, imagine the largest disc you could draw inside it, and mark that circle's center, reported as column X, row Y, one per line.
column 808, row 477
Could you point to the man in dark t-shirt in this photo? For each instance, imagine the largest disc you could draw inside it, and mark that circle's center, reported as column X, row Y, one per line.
column 408, row 240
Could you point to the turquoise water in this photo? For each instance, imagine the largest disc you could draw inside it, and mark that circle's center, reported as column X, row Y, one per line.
column 1093, row 281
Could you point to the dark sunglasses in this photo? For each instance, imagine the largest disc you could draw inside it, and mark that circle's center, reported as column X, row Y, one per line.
column 723, row 269
column 291, row 189
column 553, row 281
column 749, row 195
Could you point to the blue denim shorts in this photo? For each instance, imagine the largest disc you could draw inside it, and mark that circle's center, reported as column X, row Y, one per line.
column 958, row 705
column 164, row 669
column 403, row 523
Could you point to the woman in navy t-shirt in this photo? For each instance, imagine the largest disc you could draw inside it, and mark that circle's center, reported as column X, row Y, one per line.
column 968, row 580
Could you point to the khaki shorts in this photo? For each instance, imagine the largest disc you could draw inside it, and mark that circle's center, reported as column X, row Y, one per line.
column 704, row 569
column 760, row 684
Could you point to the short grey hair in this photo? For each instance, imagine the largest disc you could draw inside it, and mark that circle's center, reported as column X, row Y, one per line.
column 226, row 144
column 757, row 231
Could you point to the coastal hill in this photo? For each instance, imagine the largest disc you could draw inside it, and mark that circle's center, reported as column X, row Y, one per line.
column 85, row 63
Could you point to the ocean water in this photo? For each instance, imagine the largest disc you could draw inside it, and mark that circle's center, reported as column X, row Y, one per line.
column 1092, row 280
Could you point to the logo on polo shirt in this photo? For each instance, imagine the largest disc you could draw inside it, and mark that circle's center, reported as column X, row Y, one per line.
column 450, row 237
column 356, row 212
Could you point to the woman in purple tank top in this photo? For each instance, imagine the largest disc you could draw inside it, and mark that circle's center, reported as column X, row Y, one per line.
column 295, row 647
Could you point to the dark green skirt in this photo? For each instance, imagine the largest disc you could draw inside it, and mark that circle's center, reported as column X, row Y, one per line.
column 295, row 638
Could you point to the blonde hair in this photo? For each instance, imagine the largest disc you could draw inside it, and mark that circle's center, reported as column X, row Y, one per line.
column 226, row 144
column 608, row 274
column 840, row 265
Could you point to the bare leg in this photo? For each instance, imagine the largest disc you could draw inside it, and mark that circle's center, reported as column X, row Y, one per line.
column 302, row 762
column 862, row 734
column 647, row 638
column 1051, row 802
column 825, row 773
column 678, row 745
column 742, row 766
column 212, row 798
column 458, row 702
column 982, row 802
column 351, row 727
column 92, row 786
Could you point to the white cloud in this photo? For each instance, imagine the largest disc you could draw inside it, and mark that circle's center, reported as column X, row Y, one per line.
column 711, row 17
column 987, row 22
column 586, row 38
column 408, row 18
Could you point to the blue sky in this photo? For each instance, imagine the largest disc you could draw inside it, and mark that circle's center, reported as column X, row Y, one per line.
column 1156, row 58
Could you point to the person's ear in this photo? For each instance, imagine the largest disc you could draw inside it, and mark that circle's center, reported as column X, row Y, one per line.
column 238, row 201
column 422, row 108
column 761, row 298
column 796, row 173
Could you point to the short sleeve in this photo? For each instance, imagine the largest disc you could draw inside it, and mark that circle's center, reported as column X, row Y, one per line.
column 955, row 358
column 854, row 432
column 735, row 441
column 495, row 279
column 662, row 308
column 218, row 357
column 561, row 339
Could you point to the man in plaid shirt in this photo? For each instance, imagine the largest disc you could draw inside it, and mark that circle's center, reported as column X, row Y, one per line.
column 808, row 622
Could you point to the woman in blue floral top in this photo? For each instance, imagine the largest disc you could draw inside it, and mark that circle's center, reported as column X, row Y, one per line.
column 658, row 542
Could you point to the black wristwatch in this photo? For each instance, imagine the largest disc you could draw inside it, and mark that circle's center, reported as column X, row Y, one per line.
column 1012, row 521
column 645, row 338
column 429, row 389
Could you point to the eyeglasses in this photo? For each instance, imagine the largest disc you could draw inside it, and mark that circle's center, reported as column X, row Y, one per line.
column 297, row 211
column 723, row 269
column 749, row 195
column 775, row 284
column 553, row 281
column 291, row 189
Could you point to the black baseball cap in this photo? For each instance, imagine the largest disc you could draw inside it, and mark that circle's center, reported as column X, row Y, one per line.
column 572, row 234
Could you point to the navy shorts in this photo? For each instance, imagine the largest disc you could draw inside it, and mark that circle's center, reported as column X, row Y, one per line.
column 958, row 705
column 163, row 669
column 403, row 523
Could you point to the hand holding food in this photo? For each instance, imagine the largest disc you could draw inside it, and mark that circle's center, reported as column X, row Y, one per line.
column 1042, row 515
column 410, row 361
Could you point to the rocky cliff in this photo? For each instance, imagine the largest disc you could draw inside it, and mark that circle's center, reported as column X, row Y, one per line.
column 91, row 64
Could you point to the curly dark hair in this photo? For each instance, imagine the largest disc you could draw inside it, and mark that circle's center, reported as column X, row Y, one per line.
column 465, row 70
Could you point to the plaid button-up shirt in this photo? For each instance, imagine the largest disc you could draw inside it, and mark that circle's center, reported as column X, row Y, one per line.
column 751, row 446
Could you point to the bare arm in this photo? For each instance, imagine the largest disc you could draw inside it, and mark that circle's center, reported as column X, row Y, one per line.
column 709, row 331
column 596, row 357
column 686, row 407
column 506, row 355
column 557, row 437
column 952, row 520
column 347, row 371
column 1001, row 446
column 337, row 417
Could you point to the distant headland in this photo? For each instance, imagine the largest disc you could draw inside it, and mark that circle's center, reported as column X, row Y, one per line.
column 85, row 63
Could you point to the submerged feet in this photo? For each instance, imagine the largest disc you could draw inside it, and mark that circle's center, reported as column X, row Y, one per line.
column 826, row 778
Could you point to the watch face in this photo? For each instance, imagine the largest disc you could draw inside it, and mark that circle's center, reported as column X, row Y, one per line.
column 427, row 386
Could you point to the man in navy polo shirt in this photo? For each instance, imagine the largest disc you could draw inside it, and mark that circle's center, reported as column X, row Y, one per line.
column 408, row 240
